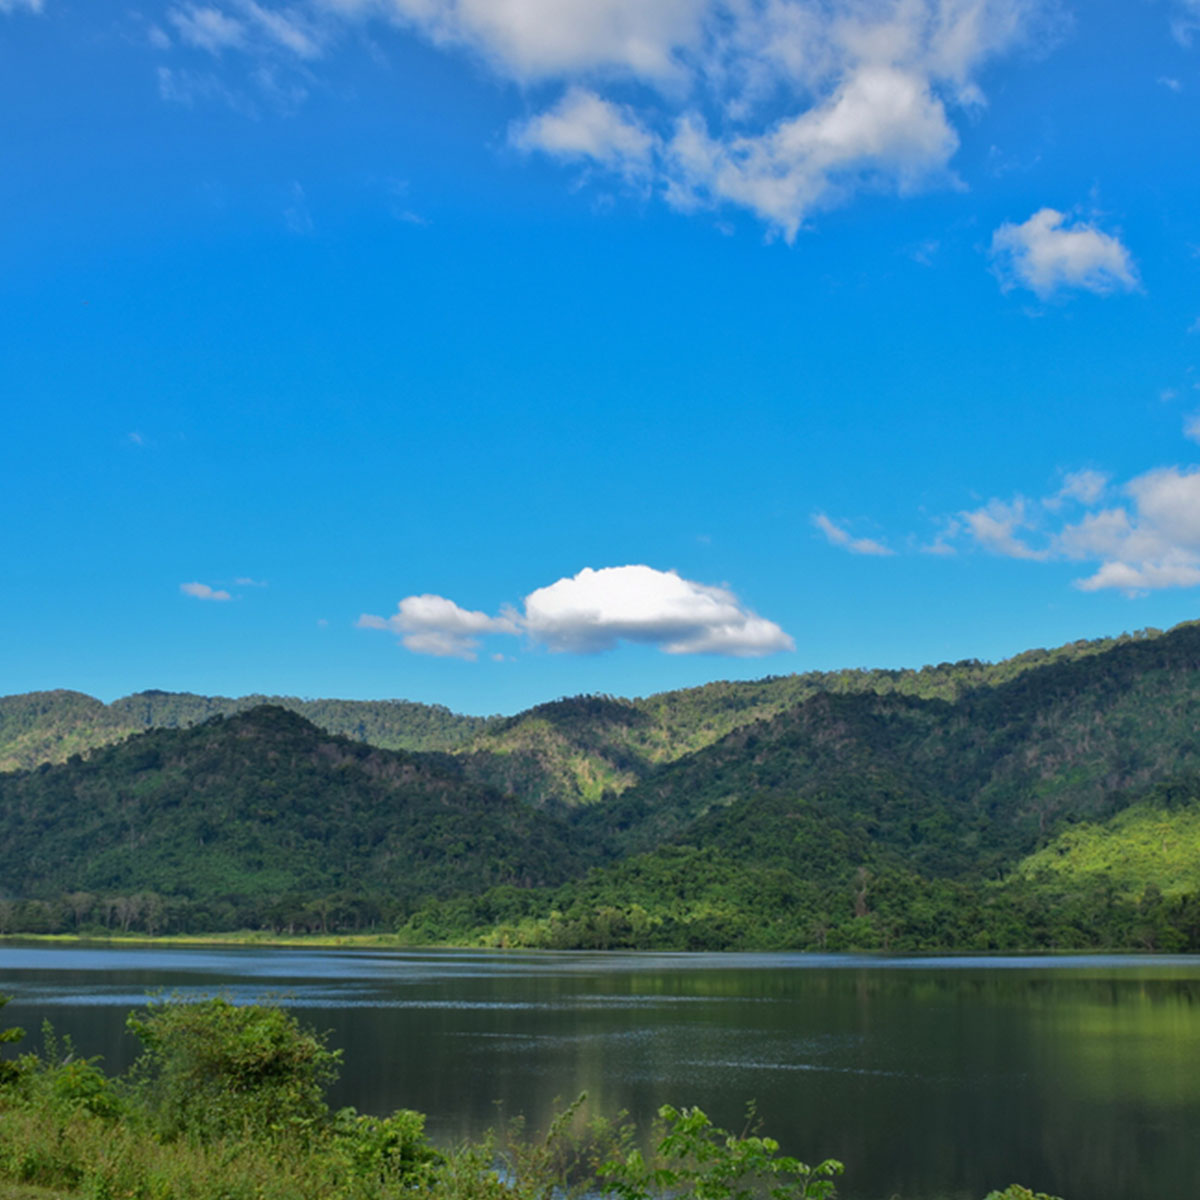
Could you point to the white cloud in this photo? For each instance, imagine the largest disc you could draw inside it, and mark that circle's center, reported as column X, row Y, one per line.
column 593, row 611
column 246, row 581
column 10, row 6
column 551, row 39
column 780, row 107
column 837, row 536
column 208, row 28
column 434, row 625
column 1047, row 255
column 882, row 127
column 246, row 25
column 1151, row 541
column 996, row 525
column 1086, row 486
column 597, row 608
column 202, row 591
column 583, row 126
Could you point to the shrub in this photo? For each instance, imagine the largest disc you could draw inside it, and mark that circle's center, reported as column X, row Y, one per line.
column 697, row 1159
column 212, row 1069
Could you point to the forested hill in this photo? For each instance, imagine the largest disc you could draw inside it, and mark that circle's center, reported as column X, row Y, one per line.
column 230, row 818
column 37, row 727
column 574, row 750
column 1046, row 802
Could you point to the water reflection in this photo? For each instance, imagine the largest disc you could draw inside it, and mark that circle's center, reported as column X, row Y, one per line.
column 933, row 1079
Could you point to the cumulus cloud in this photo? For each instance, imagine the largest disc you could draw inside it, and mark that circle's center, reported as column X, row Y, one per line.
column 782, row 108
column 202, row 591
column 584, row 126
column 597, row 608
column 593, row 611
column 1047, row 254
column 1150, row 540
column 434, row 625
column 837, row 536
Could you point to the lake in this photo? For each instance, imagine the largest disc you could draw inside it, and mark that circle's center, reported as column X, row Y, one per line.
column 932, row 1079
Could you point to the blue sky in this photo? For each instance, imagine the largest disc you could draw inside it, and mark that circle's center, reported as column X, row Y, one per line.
column 484, row 351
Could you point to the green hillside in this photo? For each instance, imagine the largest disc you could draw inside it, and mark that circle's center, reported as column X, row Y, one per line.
column 573, row 750
column 1139, row 847
column 230, row 819
column 38, row 727
column 1047, row 802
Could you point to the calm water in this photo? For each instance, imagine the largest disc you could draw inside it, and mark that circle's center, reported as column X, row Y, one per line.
column 933, row 1079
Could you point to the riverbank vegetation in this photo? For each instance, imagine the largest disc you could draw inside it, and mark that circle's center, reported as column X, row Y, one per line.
column 228, row 1103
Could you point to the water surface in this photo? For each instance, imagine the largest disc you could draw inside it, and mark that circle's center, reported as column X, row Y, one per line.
column 933, row 1079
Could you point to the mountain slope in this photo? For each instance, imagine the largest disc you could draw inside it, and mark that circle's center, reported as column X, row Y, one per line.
column 264, row 804
column 37, row 727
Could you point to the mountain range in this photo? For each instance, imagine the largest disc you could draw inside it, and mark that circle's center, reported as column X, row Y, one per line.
column 1047, row 801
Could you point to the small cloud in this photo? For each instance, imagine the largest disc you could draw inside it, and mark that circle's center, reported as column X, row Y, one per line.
column 995, row 527
column 135, row 438
column 1191, row 427
column 433, row 625
column 158, row 37
column 1047, row 255
column 585, row 127
column 1086, row 486
column 1194, row 327
column 246, row 581
column 839, row 537
column 498, row 657
column 322, row 623
column 1172, row 85
column 207, row 28
column 202, row 591
column 11, row 6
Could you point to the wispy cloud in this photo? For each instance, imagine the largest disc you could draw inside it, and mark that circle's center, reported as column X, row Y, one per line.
column 11, row 6
column 203, row 591
column 1049, row 254
column 837, row 536
column 783, row 108
column 591, row 612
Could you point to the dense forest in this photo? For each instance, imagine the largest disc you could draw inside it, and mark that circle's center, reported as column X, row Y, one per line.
column 1051, row 801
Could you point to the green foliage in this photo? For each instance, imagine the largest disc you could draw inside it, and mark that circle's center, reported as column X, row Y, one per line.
column 212, row 1069
column 1140, row 846
column 384, row 1149
column 1016, row 1192
column 9, row 1071
column 695, row 1158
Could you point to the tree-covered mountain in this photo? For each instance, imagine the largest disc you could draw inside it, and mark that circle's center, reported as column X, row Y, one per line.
column 38, row 727
column 573, row 750
column 1048, row 801
column 231, row 817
